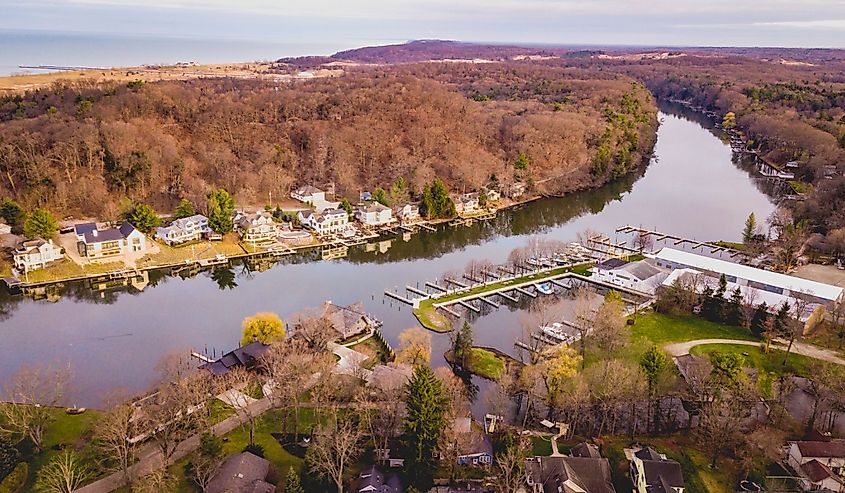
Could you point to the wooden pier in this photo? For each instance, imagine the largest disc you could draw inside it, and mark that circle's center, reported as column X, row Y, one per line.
column 469, row 306
column 399, row 297
column 679, row 240
column 436, row 286
column 456, row 283
column 417, row 291
column 489, row 301
column 526, row 292
column 450, row 311
column 508, row 297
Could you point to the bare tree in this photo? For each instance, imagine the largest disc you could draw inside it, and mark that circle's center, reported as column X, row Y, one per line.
column 609, row 332
column 113, row 434
column 291, row 366
column 65, row 473
column 156, row 482
column 583, row 312
column 336, row 444
column 721, row 422
column 240, row 382
column 510, row 468
column 172, row 413
column 643, row 241
column 315, row 329
column 32, row 393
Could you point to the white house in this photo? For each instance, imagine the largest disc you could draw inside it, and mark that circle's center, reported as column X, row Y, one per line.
column 183, row 230
column 772, row 287
column 327, row 222
column 374, row 214
column 95, row 243
column 408, row 213
column 35, row 254
column 492, row 195
column 466, row 203
column 819, row 463
column 256, row 227
column 309, row 194
column 641, row 275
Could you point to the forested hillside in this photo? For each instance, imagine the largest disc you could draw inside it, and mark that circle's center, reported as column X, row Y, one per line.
column 85, row 149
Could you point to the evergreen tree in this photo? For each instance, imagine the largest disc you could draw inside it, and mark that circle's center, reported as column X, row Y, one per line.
column 462, row 344
column 723, row 286
column 143, row 217
column 436, row 202
column 184, row 209
column 380, row 196
column 760, row 320
column 347, row 206
column 221, row 207
column 292, row 482
column 711, row 306
column 733, row 309
column 653, row 363
column 40, row 223
column 781, row 324
column 750, row 229
column 9, row 457
column 12, row 212
column 426, row 404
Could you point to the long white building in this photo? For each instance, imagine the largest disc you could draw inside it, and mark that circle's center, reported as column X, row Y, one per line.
column 761, row 285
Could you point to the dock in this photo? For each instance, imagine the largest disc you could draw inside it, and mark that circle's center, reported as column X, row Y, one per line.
column 436, row 286
column 681, row 241
column 450, row 311
column 489, row 302
column 526, row 347
column 506, row 296
column 469, row 306
column 399, row 297
column 456, row 283
column 526, row 292
column 414, row 290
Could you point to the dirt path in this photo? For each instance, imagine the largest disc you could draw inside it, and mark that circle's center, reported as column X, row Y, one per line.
column 683, row 348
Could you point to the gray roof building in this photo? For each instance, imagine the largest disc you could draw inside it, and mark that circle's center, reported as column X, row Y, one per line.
column 242, row 473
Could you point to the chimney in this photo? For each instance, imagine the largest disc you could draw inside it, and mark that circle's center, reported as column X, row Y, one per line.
column 94, row 232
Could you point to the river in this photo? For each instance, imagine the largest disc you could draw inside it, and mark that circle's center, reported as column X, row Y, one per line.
column 114, row 340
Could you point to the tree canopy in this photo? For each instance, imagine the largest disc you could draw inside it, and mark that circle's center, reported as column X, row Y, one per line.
column 40, row 223
column 143, row 217
column 426, row 404
column 184, row 209
column 221, row 207
column 263, row 327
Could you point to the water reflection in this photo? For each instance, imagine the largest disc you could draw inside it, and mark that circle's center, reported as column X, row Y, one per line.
column 113, row 336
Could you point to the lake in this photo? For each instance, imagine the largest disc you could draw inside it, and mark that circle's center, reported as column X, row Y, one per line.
column 114, row 339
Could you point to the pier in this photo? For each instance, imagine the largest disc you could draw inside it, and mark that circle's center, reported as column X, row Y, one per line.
column 679, row 240
column 399, row 297
column 490, row 302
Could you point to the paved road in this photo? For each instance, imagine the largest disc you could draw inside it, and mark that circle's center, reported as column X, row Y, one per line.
column 682, row 348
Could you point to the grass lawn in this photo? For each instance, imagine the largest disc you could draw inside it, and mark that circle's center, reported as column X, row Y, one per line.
column 431, row 319
column 695, row 464
column 69, row 431
column 486, row 363
column 169, row 255
column 662, row 329
column 770, row 363
column 375, row 351
column 67, row 269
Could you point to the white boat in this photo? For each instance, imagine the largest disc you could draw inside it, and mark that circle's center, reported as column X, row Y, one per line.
column 544, row 287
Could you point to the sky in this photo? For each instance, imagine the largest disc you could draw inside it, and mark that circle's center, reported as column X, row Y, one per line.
column 350, row 23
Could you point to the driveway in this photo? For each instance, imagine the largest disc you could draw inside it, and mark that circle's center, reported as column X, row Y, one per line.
column 683, row 348
column 350, row 361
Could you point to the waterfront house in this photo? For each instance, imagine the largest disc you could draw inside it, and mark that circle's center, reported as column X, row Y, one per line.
column 653, row 472
column 36, row 254
column 256, row 227
column 584, row 470
column 347, row 321
column 374, row 214
column 372, row 480
column 761, row 285
column 466, row 203
column 327, row 222
column 183, row 230
column 514, row 190
column 242, row 473
column 642, row 275
column 819, row 463
column 96, row 243
column 309, row 195
column 492, row 195
column 5, row 229
column 365, row 196
column 247, row 356
column 408, row 213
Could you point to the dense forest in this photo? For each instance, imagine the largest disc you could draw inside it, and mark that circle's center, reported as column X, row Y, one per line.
column 87, row 149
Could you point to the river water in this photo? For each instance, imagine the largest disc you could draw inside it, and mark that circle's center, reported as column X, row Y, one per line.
column 114, row 340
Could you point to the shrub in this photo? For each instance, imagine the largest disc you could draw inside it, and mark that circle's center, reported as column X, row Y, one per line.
column 16, row 480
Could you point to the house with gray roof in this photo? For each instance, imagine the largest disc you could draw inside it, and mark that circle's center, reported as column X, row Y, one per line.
column 242, row 473
column 583, row 471
column 372, row 480
column 183, row 230
column 347, row 321
column 653, row 472
column 96, row 243
column 35, row 254
column 644, row 275
column 247, row 356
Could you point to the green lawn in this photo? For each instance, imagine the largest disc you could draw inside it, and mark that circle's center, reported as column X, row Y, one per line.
column 757, row 358
column 662, row 329
column 66, row 431
column 431, row 319
column 486, row 363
